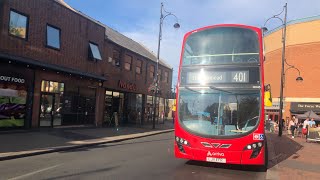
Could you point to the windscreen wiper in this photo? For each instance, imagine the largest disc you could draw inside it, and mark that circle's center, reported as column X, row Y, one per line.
column 219, row 89
column 192, row 90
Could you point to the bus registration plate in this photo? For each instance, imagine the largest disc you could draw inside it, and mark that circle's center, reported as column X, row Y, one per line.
column 217, row 160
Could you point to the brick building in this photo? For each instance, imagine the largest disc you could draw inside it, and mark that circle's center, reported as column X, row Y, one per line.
column 60, row 67
column 303, row 52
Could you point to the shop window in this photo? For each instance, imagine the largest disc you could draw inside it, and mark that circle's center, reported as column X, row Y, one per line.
column 139, row 67
column 18, row 25
column 53, row 37
column 128, row 62
column 109, row 93
column 12, row 105
column 166, row 77
column 151, row 71
column 115, row 60
column 52, row 87
column 94, row 52
column 116, row 94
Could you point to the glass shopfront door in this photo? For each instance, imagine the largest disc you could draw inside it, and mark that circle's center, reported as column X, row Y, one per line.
column 50, row 110
column 114, row 102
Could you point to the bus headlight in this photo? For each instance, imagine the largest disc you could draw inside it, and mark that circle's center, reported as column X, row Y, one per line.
column 185, row 142
column 255, row 147
column 249, row 147
column 181, row 142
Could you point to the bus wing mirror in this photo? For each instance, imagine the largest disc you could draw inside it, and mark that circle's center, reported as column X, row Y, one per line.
column 267, row 96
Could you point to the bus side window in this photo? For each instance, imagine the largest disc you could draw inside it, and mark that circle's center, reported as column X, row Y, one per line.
column 267, row 96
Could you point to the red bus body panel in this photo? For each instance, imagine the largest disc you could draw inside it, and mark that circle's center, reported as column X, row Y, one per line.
column 235, row 154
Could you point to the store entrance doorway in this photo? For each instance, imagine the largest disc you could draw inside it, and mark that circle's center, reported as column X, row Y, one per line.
column 50, row 110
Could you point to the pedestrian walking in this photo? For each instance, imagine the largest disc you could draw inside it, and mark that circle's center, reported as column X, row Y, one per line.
column 295, row 120
column 305, row 127
column 292, row 127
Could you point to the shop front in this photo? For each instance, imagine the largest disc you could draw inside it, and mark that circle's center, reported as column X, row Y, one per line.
column 51, row 103
column 16, row 91
column 272, row 112
column 114, row 104
column 162, row 109
column 302, row 107
column 64, row 99
column 123, row 100
column 125, row 105
column 79, row 104
column 149, row 109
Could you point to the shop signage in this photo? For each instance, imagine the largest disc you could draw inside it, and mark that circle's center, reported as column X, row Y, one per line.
column 12, row 79
column 301, row 107
column 128, row 86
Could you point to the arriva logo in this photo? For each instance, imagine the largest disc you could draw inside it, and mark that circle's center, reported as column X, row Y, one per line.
column 214, row 154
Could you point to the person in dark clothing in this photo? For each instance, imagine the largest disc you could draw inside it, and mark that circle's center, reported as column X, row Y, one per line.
column 282, row 124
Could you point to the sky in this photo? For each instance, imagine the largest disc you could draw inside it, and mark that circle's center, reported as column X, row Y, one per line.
column 139, row 19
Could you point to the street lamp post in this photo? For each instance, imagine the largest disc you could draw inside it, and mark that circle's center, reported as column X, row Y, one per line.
column 283, row 60
column 156, row 78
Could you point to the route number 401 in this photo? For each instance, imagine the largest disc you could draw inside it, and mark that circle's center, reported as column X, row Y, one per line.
column 239, row 77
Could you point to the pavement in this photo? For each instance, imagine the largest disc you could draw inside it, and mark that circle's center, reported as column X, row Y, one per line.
column 292, row 158
column 23, row 143
column 288, row 158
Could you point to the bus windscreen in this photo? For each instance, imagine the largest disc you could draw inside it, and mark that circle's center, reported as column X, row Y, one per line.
column 209, row 111
column 222, row 45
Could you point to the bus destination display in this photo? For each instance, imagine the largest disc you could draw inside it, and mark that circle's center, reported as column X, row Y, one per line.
column 217, row 77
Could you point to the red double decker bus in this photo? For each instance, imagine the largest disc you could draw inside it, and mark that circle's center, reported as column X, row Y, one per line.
column 220, row 96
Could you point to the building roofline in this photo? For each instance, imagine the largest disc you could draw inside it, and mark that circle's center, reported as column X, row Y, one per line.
column 161, row 61
column 293, row 22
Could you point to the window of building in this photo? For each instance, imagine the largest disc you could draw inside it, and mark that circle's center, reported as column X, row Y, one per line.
column 151, row 71
column 94, row 52
column 51, row 86
column 128, row 62
column 109, row 93
column 139, row 67
column 53, row 37
column 115, row 60
column 18, row 25
column 166, row 77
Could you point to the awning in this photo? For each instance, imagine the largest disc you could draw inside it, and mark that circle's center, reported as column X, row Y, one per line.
column 309, row 114
column 54, row 67
column 302, row 107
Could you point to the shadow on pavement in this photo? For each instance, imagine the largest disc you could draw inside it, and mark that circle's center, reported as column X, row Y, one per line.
column 206, row 170
column 43, row 138
column 281, row 148
column 226, row 166
column 120, row 143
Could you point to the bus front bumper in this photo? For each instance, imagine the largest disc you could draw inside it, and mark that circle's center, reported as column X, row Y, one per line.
column 219, row 156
